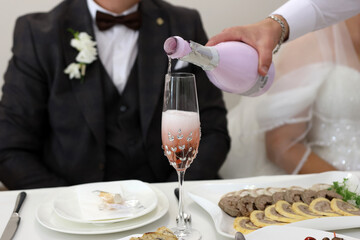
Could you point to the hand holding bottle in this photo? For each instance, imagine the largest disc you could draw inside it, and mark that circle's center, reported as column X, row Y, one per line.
column 263, row 36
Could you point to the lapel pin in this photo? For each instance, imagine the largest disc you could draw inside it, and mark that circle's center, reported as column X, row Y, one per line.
column 159, row 21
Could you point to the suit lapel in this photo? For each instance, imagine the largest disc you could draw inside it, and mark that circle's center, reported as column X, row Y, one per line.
column 89, row 93
column 152, row 61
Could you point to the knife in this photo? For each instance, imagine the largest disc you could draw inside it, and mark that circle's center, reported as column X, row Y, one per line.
column 14, row 221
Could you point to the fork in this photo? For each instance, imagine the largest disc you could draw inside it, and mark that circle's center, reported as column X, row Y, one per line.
column 187, row 216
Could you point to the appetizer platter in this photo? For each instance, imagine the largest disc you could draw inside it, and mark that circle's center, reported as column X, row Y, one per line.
column 308, row 201
column 261, row 207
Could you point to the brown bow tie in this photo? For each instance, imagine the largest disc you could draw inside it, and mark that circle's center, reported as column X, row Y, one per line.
column 105, row 21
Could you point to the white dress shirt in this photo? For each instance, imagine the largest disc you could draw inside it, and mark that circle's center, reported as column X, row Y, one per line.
column 117, row 46
column 305, row 16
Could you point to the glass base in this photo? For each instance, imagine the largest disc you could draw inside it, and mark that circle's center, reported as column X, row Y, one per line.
column 186, row 234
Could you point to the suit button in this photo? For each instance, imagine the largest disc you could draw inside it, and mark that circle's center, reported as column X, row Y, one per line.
column 123, row 108
column 101, row 166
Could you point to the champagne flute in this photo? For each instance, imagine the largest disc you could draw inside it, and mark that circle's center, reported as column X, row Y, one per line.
column 180, row 132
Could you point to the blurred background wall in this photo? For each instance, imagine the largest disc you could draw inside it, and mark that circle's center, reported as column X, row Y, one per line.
column 216, row 16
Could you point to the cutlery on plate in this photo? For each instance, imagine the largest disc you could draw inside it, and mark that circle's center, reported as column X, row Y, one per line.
column 14, row 220
column 239, row 236
column 187, row 217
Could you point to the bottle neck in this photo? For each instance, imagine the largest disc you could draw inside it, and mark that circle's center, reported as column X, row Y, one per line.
column 205, row 57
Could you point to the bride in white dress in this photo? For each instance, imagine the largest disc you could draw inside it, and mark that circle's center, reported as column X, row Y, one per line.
column 309, row 121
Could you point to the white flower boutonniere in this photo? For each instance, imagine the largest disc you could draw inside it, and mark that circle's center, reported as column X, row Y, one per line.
column 87, row 54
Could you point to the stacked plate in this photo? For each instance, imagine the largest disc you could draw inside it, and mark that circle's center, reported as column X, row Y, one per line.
column 70, row 212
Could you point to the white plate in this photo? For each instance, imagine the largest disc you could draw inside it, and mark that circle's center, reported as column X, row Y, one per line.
column 47, row 217
column 208, row 196
column 67, row 206
column 289, row 232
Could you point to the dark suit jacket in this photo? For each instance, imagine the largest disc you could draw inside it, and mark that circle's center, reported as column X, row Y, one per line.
column 52, row 129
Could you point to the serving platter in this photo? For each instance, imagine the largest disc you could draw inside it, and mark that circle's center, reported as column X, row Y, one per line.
column 208, row 195
column 289, row 232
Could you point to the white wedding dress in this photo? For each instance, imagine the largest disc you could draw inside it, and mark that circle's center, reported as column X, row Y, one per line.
column 317, row 83
column 335, row 135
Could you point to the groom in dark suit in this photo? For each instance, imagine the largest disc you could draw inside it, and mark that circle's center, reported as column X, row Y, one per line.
column 57, row 131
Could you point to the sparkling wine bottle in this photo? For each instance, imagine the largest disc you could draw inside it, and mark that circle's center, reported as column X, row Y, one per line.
column 231, row 66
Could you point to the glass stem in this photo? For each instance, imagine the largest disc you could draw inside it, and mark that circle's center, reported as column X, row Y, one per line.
column 181, row 222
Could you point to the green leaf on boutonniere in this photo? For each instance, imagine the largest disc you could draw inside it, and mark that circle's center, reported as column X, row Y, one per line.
column 74, row 33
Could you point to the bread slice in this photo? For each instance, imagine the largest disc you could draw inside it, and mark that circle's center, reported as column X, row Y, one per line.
column 162, row 233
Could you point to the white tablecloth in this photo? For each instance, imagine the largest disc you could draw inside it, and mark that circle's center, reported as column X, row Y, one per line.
column 30, row 229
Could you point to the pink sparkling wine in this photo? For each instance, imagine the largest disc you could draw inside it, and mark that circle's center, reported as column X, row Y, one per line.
column 230, row 66
column 180, row 133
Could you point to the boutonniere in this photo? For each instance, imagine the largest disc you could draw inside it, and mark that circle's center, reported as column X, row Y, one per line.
column 87, row 54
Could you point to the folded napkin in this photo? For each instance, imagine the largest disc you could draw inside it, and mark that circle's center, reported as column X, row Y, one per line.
column 101, row 201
